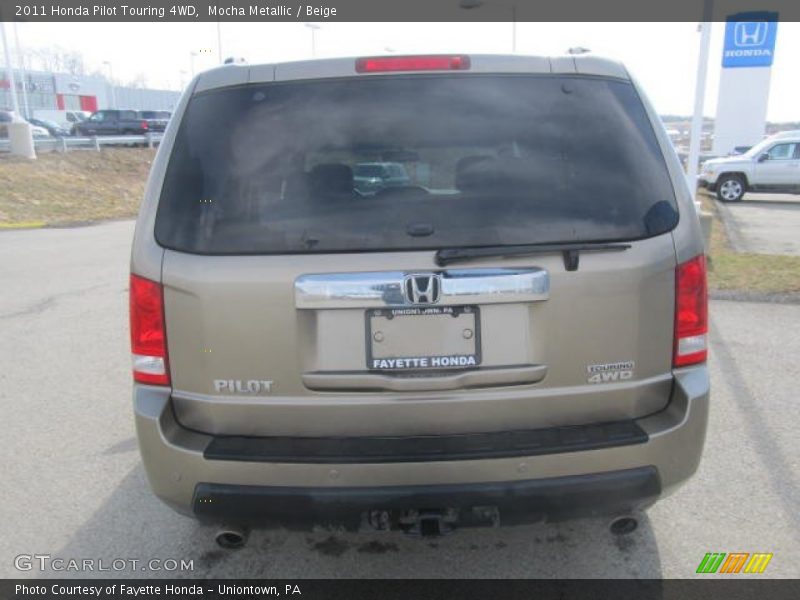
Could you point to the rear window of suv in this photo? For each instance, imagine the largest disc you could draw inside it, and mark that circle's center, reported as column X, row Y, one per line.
column 489, row 160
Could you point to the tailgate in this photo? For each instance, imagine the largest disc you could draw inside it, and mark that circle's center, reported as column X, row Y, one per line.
column 333, row 345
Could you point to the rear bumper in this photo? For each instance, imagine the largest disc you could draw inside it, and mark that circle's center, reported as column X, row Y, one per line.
column 512, row 502
column 579, row 480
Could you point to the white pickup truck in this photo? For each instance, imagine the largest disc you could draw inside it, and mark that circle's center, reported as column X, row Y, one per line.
column 771, row 166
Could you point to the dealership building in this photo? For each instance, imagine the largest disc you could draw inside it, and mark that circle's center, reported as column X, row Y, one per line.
column 62, row 91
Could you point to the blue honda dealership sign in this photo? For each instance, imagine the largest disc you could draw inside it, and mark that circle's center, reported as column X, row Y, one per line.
column 750, row 39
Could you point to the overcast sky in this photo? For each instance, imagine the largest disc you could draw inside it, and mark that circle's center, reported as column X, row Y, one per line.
column 663, row 56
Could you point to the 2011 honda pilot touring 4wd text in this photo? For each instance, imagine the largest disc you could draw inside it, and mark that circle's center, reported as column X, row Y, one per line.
column 516, row 332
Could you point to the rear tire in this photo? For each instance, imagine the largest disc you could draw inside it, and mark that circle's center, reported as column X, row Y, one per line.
column 730, row 188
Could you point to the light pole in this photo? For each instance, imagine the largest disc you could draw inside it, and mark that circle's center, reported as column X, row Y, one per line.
column 470, row 4
column 182, row 75
column 111, row 84
column 10, row 71
column 192, row 56
column 313, row 27
column 20, row 137
column 219, row 42
column 22, row 73
column 699, row 97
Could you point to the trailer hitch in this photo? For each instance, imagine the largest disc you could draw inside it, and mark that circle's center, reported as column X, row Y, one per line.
column 428, row 522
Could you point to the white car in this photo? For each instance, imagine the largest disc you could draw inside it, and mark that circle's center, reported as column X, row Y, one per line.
column 64, row 118
column 771, row 166
column 7, row 117
column 39, row 132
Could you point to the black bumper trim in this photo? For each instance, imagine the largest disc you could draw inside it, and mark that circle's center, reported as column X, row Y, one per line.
column 428, row 448
column 552, row 498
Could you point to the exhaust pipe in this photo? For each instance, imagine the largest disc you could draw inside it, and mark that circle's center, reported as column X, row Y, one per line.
column 623, row 525
column 232, row 537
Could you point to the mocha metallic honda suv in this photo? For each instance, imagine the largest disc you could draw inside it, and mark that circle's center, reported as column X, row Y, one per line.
column 516, row 333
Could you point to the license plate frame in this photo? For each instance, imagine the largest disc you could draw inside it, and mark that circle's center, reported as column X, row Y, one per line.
column 458, row 361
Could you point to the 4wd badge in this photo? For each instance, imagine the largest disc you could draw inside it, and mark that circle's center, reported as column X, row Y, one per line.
column 608, row 372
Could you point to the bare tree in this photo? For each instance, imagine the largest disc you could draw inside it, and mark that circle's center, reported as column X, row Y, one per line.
column 27, row 59
column 138, row 82
column 101, row 74
column 54, row 59
column 73, row 63
column 49, row 59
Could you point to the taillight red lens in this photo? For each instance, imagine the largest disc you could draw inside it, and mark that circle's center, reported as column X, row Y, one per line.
column 379, row 64
column 148, row 332
column 691, row 313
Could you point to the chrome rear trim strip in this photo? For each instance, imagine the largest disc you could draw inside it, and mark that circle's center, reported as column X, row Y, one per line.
column 365, row 381
column 458, row 286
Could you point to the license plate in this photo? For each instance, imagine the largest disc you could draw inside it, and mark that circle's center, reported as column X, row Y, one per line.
column 423, row 338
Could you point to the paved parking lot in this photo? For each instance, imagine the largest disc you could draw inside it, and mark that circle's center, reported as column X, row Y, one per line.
column 73, row 486
column 763, row 223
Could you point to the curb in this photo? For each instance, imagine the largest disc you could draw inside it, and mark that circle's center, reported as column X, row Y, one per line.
column 748, row 296
column 22, row 225
column 29, row 225
column 728, row 221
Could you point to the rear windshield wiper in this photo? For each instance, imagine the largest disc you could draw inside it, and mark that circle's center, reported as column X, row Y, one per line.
column 571, row 252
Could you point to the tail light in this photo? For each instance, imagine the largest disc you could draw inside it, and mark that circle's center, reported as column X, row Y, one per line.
column 437, row 62
column 148, row 332
column 145, row 125
column 691, row 313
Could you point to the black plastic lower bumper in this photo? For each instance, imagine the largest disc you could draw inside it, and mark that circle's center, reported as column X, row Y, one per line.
column 426, row 448
column 533, row 500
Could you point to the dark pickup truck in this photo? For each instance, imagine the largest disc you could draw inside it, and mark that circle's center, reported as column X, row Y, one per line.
column 113, row 122
column 156, row 119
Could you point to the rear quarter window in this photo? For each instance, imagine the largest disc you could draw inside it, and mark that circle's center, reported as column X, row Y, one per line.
column 478, row 159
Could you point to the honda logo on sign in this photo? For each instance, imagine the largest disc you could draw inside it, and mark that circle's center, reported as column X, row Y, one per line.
column 750, row 34
column 750, row 39
column 422, row 288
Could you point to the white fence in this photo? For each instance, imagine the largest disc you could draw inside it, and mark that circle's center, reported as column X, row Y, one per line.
column 64, row 144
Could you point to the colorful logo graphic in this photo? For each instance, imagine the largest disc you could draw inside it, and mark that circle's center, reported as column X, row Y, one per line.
column 734, row 562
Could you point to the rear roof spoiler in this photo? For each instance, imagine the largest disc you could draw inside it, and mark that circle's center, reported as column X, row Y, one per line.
column 346, row 67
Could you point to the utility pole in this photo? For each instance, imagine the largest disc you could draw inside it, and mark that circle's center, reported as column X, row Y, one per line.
column 513, row 29
column 313, row 27
column 9, row 71
column 219, row 42
column 699, row 96
column 20, row 132
column 25, row 108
